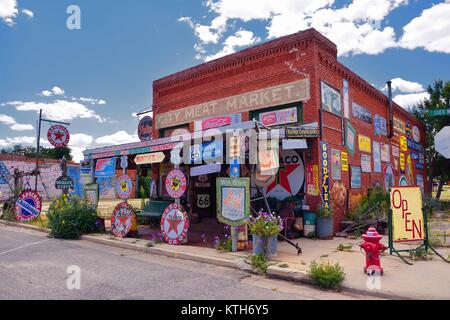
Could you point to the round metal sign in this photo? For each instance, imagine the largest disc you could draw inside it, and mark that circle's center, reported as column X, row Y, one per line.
column 64, row 183
column 58, row 136
column 28, row 206
column 124, row 186
column 122, row 219
column 176, row 183
column 145, row 128
column 416, row 134
column 174, row 224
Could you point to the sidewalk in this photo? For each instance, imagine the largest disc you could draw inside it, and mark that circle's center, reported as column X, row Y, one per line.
column 422, row 280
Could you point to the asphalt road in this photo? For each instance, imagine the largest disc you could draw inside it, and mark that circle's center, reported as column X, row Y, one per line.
column 33, row 266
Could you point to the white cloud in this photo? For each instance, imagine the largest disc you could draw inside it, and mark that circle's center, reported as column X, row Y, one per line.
column 240, row 39
column 11, row 122
column 59, row 110
column 355, row 27
column 120, row 137
column 55, row 91
column 28, row 13
column 406, row 86
column 411, row 99
column 9, row 142
column 8, row 11
column 431, row 30
column 78, row 143
column 92, row 100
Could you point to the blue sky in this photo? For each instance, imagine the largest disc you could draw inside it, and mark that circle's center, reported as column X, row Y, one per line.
column 98, row 76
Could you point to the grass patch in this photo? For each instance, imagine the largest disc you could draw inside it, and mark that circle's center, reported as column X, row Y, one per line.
column 420, row 255
column 326, row 275
column 259, row 263
column 283, row 265
column 345, row 247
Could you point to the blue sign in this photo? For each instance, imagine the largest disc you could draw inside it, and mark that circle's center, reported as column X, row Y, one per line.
column 105, row 168
column 235, row 168
column 420, row 166
column 355, row 182
column 414, row 156
column 414, row 146
column 380, row 125
column 4, row 173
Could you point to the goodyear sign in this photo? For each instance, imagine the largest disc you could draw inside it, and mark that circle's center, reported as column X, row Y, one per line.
column 325, row 171
column 407, row 214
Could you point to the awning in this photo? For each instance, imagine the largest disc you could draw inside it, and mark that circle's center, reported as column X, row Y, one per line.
column 294, row 144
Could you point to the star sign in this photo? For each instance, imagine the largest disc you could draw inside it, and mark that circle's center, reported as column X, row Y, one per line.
column 283, row 178
column 173, row 224
column 59, row 135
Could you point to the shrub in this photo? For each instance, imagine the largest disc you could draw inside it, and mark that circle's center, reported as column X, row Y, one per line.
column 260, row 263
column 69, row 218
column 326, row 275
column 374, row 205
column 324, row 213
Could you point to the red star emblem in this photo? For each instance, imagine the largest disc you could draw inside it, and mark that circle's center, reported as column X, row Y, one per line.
column 59, row 135
column 173, row 225
column 283, row 178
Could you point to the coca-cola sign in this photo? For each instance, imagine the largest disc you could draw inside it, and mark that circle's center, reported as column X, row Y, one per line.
column 216, row 122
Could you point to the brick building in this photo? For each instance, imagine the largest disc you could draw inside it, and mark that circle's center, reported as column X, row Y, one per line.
column 345, row 135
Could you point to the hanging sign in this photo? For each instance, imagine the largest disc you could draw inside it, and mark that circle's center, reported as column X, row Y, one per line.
column 58, row 136
column 145, row 128
column 148, row 158
column 325, row 172
column 233, row 200
column 407, row 214
column 124, row 186
column 389, row 177
column 278, row 117
column 28, row 206
column 122, row 219
column 364, row 143
column 176, row 183
column 64, row 183
column 174, row 224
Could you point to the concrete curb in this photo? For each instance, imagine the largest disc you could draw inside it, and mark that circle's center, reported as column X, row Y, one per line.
column 276, row 272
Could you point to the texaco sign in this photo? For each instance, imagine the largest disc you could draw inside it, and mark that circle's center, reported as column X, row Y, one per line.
column 174, row 224
column 122, row 220
column 58, row 136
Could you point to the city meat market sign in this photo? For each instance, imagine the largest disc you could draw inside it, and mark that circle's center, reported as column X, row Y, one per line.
column 28, row 206
column 267, row 97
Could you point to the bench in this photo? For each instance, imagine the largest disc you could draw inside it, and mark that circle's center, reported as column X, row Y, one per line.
column 153, row 210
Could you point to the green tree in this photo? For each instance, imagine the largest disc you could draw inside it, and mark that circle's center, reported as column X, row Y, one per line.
column 30, row 152
column 439, row 99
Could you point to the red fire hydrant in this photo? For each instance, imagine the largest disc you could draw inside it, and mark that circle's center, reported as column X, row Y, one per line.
column 372, row 247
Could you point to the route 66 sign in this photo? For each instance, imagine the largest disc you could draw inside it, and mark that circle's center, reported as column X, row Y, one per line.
column 58, row 136
column 124, row 162
column 203, row 201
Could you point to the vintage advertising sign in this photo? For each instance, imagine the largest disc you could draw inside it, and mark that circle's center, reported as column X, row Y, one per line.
column 380, row 125
column 290, row 176
column 350, row 137
column 312, row 180
column 148, row 158
column 86, row 173
column 233, row 200
column 355, row 182
column 301, row 132
column 389, row 177
column 64, row 183
column 325, row 171
column 399, row 125
column 364, row 143
column 416, row 134
column 278, row 117
column 361, row 113
column 122, row 220
column 385, row 153
column 124, row 186
column 105, row 168
column 366, row 163
column 376, row 157
column 420, row 182
column 336, row 166
column 395, row 151
column 145, row 128
column 403, row 143
column 402, row 163
column 4, row 173
column 407, row 214
column 91, row 194
column 331, row 99
column 344, row 161
column 58, row 136
column 28, row 206
column 174, row 224
column 414, row 146
column 205, row 169
column 402, row 181
column 176, row 183
column 277, row 95
column 217, row 122
column 346, row 98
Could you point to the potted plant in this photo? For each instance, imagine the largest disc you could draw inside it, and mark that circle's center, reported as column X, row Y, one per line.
column 324, row 228
column 265, row 228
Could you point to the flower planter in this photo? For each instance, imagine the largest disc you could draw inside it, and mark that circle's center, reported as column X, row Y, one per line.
column 266, row 246
column 324, row 228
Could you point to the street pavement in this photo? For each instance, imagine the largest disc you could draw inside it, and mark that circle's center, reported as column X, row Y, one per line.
column 33, row 266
